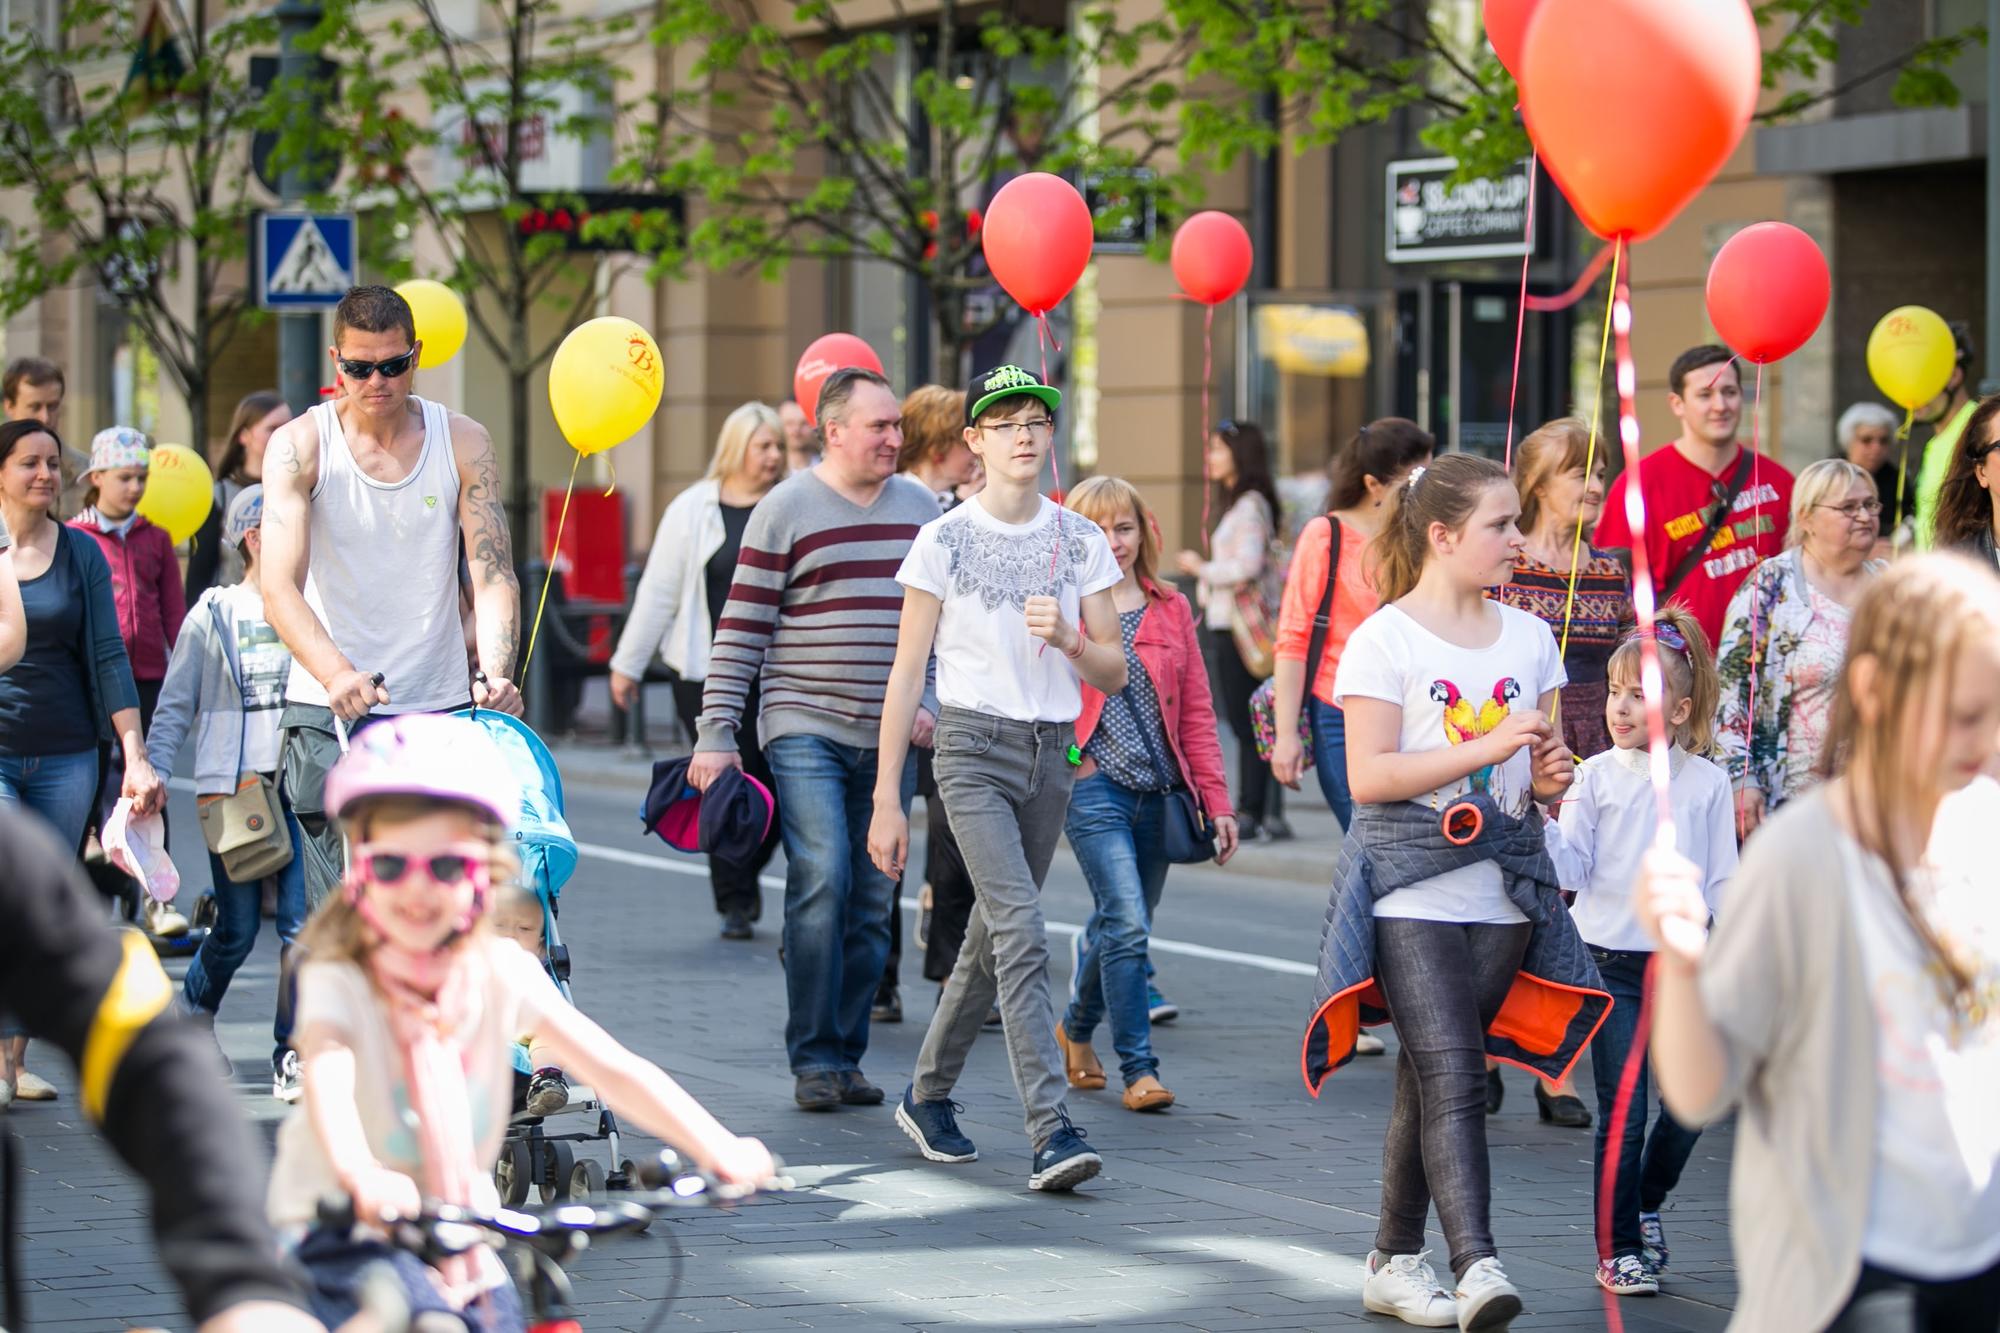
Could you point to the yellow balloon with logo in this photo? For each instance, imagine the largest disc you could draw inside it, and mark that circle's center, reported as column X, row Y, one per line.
column 605, row 383
column 180, row 490
column 1911, row 355
column 440, row 317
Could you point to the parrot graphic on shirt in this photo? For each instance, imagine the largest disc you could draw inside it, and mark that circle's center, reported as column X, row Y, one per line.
column 1463, row 722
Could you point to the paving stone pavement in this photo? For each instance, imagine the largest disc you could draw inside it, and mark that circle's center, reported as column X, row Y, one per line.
column 1248, row 1206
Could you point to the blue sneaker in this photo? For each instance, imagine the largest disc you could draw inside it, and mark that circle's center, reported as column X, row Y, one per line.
column 933, row 1127
column 1158, row 1007
column 1065, row 1161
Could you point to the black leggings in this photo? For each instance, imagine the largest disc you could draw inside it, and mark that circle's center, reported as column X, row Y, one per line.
column 1444, row 983
column 1234, row 685
column 1886, row 1302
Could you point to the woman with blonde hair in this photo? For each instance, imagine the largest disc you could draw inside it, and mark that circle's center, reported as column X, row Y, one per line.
column 1785, row 635
column 678, row 604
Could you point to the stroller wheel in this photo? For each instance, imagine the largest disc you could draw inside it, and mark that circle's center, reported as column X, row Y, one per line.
column 586, row 1182
column 558, row 1165
column 626, row 1177
column 510, row 1173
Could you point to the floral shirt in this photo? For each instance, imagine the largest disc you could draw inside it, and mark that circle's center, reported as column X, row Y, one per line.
column 1601, row 615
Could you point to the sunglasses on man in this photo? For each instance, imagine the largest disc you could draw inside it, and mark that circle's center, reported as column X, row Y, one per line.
column 391, row 368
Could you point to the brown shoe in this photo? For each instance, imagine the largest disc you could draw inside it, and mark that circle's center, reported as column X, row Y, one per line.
column 1079, row 1062
column 1148, row 1094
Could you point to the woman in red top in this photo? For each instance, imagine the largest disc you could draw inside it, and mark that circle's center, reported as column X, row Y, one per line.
column 1137, row 746
column 1365, row 473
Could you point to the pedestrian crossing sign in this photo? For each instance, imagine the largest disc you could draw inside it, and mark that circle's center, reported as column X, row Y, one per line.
column 305, row 261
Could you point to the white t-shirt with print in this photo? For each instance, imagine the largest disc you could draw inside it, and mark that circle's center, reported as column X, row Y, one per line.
column 1450, row 695
column 1934, row 1204
column 263, row 666
column 984, row 571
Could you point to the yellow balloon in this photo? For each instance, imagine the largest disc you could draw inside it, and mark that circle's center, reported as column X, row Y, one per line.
column 180, row 490
column 1911, row 355
column 440, row 319
column 605, row 383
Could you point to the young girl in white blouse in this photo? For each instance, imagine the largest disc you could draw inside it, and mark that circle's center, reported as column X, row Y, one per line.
column 1608, row 822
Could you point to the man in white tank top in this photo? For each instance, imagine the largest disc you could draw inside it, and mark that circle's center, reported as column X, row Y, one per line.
column 365, row 501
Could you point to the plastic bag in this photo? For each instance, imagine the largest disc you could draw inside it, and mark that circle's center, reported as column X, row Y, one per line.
column 137, row 846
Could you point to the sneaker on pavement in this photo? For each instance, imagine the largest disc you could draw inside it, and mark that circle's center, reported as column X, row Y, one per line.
column 1065, row 1161
column 285, row 1077
column 888, row 1006
column 1403, row 1285
column 1653, row 1243
column 1486, row 1299
column 1158, row 1007
column 856, row 1090
column 1626, row 1275
column 736, row 926
column 933, row 1127
column 819, row 1092
column 1367, row 1043
column 164, row 921
column 548, row 1092
column 31, row 1087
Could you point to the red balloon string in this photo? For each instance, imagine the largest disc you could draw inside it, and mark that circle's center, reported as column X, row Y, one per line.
column 1542, row 305
column 1207, row 370
column 1521, row 315
column 1756, row 505
column 1044, row 335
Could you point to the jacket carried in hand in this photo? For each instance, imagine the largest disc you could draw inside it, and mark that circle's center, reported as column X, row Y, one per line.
column 146, row 586
column 1171, row 655
column 1557, row 1001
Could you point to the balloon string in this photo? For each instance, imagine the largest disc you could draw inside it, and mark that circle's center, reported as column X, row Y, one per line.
column 1201, row 452
column 1520, row 321
column 1589, row 465
column 1902, row 472
column 1756, row 501
column 1577, row 290
column 1044, row 335
column 541, row 604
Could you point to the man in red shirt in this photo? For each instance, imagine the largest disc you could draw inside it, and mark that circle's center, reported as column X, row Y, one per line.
column 1688, row 487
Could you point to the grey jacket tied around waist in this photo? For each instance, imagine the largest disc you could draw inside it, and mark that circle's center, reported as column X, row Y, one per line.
column 1557, row 1001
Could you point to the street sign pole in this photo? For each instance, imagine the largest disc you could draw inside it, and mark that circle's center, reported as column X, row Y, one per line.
column 300, row 370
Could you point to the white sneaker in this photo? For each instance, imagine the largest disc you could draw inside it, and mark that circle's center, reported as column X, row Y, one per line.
column 1405, row 1286
column 32, row 1087
column 1367, row 1043
column 286, row 1084
column 1486, row 1299
column 164, row 921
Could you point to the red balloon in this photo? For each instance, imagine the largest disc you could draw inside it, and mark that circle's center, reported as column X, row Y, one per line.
column 1037, row 238
column 1507, row 29
column 1211, row 257
column 831, row 352
column 1767, row 291
column 1636, row 104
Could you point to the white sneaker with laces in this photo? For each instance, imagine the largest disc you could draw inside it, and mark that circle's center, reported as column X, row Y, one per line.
column 1403, row 1285
column 1486, row 1299
column 1627, row 1275
column 285, row 1079
column 1367, row 1043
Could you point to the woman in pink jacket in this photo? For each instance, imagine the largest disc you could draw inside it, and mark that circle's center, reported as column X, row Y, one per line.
column 145, row 575
column 1134, row 749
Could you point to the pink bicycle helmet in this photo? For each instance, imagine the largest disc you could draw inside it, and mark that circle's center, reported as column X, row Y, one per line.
column 422, row 754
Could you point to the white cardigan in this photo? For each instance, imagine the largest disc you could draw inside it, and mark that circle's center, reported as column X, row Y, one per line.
column 670, row 606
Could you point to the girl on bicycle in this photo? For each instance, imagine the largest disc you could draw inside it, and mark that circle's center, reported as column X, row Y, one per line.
column 406, row 1012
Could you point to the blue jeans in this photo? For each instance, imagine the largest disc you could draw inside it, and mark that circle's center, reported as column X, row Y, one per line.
column 61, row 788
column 1329, row 728
column 238, row 918
column 1649, row 1166
column 837, row 903
column 1117, row 835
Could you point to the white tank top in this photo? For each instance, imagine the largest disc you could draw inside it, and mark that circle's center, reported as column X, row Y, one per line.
column 382, row 575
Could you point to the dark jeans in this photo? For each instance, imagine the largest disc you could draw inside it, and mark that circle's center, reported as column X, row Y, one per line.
column 1649, row 1166
column 837, row 903
column 1329, row 728
column 1886, row 1302
column 1233, row 687
column 1117, row 836
column 735, row 882
column 1444, row 983
column 238, row 917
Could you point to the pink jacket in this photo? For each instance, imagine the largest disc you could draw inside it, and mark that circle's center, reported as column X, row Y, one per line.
column 1167, row 649
column 146, row 585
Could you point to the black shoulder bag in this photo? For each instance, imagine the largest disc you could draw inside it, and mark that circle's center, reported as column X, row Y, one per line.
column 1188, row 835
column 1721, row 516
column 1322, row 619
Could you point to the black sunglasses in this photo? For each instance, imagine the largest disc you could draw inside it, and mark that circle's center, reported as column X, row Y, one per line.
column 359, row 371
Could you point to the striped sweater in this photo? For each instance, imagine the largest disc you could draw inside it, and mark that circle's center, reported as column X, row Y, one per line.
column 812, row 614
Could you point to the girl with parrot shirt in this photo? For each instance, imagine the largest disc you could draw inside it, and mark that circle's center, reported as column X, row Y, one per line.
column 1448, row 695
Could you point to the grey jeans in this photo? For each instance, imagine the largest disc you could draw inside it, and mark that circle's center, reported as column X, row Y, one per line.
column 1005, row 785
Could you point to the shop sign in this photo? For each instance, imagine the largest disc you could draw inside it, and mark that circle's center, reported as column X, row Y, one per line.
column 1429, row 219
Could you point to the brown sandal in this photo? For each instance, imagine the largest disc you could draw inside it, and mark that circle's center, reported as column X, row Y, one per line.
column 1148, row 1094
column 1079, row 1062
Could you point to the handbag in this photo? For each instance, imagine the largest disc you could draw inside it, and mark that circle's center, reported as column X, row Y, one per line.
column 246, row 829
column 1187, row 835
column 1254, row 627
column 1264, row 700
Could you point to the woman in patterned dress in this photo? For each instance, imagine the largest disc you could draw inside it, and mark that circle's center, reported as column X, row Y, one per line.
column 1559, row 499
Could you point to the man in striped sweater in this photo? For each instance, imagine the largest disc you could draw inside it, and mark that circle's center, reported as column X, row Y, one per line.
column 812, row 618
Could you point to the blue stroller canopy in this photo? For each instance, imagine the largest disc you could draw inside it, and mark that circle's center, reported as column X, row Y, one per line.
column 542, row 838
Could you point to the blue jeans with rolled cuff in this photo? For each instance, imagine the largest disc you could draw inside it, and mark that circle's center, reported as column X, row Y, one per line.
column 1119, row 840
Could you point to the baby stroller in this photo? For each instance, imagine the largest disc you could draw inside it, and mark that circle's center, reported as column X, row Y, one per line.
column 537, row 1152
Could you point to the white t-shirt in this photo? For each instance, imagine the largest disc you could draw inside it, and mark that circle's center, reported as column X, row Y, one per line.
column 984, row 571
column 263, row 665
column 1934, row 1205
column 514, row 996
column 1450, row 695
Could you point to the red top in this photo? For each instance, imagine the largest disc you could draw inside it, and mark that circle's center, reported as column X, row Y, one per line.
column 146, row 584
column 1167, row 648
column 1678, row 497
column 1354, row 599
